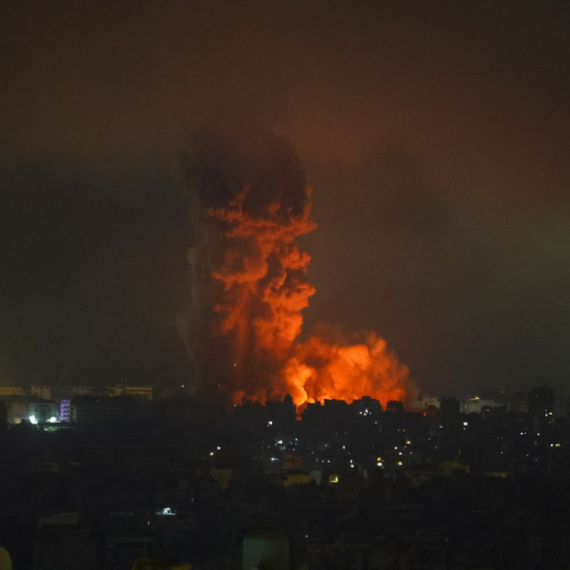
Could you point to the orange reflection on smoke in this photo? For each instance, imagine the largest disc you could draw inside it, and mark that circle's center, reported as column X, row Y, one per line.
column 264, row 276
column 264, row 289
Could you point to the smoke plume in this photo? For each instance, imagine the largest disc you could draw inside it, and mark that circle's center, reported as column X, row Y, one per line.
column 249, row 201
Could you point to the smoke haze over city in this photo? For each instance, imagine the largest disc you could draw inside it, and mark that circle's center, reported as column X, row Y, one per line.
column 434, row 138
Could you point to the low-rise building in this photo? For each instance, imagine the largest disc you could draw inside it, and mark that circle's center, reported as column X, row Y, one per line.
column 11, row 391
column 143, row 392
column 92, row 409
column 33, row 410
column 476, row 405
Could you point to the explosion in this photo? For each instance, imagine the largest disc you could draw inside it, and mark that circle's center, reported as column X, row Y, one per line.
column 248, row 204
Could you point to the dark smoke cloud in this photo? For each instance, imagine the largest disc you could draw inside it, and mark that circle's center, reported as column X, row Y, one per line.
column 215, row 166
column 249, row 202
column 453, row 247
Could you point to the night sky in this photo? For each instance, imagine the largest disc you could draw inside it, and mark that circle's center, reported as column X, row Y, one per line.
column 435, row 136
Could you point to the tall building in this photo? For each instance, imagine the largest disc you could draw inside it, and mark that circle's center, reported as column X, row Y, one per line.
column 450, row 414
column 541, row 402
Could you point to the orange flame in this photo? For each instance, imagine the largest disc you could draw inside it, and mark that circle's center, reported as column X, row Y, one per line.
column 323, row 371
column 264, row 289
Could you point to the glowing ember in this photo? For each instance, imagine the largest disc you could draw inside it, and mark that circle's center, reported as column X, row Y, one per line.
column 250, row 285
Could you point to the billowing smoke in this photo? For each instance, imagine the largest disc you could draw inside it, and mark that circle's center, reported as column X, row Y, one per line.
column 248, row 203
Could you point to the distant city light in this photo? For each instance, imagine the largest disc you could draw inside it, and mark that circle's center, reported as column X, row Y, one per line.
column 33, row 419
column 269, row 423
column 167, row 511
column 52, row 420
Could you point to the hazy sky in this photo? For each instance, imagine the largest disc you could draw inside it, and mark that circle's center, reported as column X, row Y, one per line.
column 435, row 136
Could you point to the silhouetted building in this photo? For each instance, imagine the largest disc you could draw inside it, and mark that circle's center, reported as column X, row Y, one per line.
column 450, row 414
column 395, row 406
column 367, row 406
column 91, row 409
column 424, row 403
column 284, row 413
column 541, row 402
column 328, row 413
